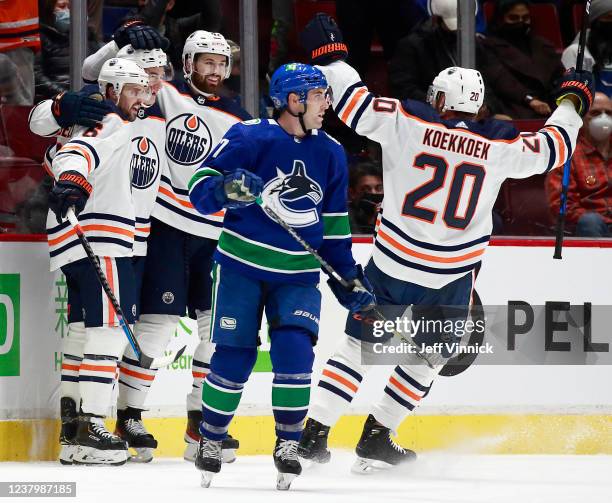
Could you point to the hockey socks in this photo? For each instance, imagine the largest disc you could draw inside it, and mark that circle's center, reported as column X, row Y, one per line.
column 220, row 399
column 407, row 385
column 290, row 398
column 339, row 383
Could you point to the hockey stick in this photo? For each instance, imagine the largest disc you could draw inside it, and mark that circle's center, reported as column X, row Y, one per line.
column 143, row 359
column 348, row 285
column 567, row 166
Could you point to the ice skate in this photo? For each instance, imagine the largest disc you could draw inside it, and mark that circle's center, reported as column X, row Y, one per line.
column 129, row 427
column 313, row 443
column 69, row 418
column 208, row 459
column 97, row 445
column 377, row 451
column 192, row 439
column 286, row 462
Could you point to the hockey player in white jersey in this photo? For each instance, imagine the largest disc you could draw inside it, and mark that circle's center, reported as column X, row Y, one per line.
column 93, row 177
column 442, row 171
column 177, row 272
column 147, row 161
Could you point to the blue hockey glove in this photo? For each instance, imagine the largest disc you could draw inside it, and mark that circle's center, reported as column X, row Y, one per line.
column 72, row 189
column 70, row 108
column 577, row 86
column 323, row 40
column 241, row 188
column 139, row 36
column 360, row 298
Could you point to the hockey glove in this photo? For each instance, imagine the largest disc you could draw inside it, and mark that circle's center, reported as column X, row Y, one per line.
column 323, row 40
column 70, row 108
column 360, row 298
column 241, row 188
column 139, row 36
column 72, row 189
column 578, row 86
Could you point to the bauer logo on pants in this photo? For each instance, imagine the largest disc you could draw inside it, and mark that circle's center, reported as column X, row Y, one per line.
column 9, row 325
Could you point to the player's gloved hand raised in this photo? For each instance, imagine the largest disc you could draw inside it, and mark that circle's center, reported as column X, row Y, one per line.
column 360, row 298
column 239, row 189
column 139, row 36
column 70, row 108
column 323, row 40
column 72, row 189
column 578, row 86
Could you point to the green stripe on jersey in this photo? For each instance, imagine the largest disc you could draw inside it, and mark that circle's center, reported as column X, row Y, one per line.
column 201, row 173
column 336, row 225
column 220, row 400
column 290, row 396
column 257, row 255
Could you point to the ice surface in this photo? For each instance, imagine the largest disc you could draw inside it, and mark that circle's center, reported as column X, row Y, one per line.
column 433, row 478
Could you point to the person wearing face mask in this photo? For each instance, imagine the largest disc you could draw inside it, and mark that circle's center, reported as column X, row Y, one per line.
column 530, row 61
column 432, row 47
column 589, row 196
column 365, row 196
column 52, row 64
column 598, row 53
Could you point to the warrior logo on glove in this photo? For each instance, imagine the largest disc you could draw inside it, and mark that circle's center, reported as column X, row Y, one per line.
column 292, row 196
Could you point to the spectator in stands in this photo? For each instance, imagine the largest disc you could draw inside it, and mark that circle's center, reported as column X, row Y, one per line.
column 598, row 54
column 52, row 64
column 9, row 82
column 158, row 14
column 19, row 40
column 531, row 61
column 589, row 197
column 365, row 196
column 430, row 48
column 282, row 24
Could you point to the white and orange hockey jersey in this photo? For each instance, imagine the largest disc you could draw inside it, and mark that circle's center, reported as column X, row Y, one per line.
column 441, row 177
column 146, row 159
column 194, row 125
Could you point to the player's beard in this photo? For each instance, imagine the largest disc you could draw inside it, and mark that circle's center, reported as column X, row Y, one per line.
column 202, row 83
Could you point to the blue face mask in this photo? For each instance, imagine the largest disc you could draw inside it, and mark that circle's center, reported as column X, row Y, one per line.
column 62, row 21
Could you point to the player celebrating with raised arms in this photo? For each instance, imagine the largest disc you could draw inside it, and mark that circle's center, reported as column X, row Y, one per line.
column 94, row 163
column 442, row 171
column 301, row 173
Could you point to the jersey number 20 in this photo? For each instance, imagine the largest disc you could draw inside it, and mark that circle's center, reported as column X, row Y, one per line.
column 464, row 170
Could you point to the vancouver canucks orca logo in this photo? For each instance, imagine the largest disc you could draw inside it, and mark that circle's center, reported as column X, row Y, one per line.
column 188, row 139
column 144, row 163
column 294, row 196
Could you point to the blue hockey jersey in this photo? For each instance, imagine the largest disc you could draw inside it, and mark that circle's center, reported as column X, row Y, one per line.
column 305, row 182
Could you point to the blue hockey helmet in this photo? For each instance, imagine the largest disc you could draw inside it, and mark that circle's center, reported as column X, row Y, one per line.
column 295, row 78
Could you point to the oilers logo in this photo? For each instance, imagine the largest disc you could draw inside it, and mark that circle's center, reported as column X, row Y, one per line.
column 294, row 196
column 144, row 163
column 188, row 139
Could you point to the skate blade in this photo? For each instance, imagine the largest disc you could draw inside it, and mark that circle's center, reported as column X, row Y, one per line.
column 90, row 456
column 283, row 481
column 67, row 453
column 228, row 455
column 365, row 466
column 207, row 479
column 143, row 454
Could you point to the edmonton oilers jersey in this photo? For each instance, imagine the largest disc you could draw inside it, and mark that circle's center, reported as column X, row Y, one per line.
column 147, row 166
column 305, row 182
column 194, row 125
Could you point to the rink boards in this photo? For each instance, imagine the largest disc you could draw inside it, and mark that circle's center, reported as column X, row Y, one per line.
column 485, row 409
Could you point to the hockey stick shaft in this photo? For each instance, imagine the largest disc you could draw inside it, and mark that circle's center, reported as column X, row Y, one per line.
column 560, row 227
column 145, row 360
column 349, row 285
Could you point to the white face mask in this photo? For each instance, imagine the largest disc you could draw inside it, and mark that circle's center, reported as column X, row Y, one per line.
column 600, row 127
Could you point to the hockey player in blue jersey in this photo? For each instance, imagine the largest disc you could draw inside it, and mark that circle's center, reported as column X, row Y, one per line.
column 301, row 173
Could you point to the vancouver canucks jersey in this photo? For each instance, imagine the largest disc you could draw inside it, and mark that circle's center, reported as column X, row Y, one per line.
column 441, row 178
column 305, row 182
column 194, row 125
